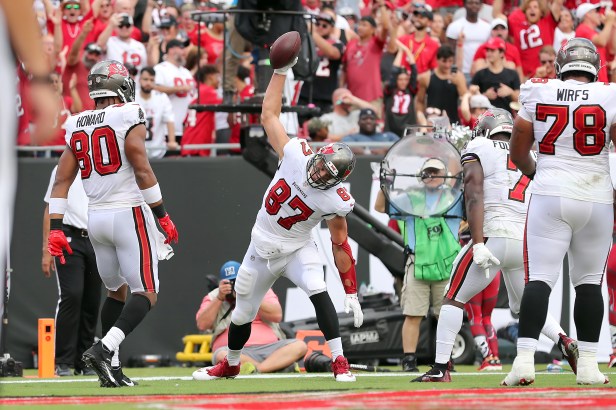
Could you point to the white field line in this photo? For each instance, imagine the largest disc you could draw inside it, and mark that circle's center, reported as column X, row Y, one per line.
column 262, row 376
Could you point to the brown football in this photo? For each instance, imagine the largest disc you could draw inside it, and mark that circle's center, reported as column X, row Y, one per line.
column 285, row 49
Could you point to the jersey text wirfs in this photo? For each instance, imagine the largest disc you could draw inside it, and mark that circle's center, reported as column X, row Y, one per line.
column 571, row 95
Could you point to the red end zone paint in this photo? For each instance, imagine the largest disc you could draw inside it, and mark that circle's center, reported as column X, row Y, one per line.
column 496, row 398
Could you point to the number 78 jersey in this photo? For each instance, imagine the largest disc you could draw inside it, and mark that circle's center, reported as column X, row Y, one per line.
column 571, row 122
column 292, row 208
column 97, row 137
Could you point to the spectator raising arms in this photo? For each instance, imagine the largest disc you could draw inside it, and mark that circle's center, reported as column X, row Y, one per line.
column 532, row 28
column 399, row 94
column 590, row 20
column 121, row 46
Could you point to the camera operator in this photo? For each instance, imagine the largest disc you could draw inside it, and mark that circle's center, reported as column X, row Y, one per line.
column 267, row 350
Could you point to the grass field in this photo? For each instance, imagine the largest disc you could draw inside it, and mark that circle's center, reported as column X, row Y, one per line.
column 173, row 388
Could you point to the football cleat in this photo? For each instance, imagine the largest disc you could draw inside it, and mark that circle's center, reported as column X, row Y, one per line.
column 491, row 364
column 588, row 372
column 221, row 370
column 99, row 358
column 121, row 378
column 522, row 372
column 410, row 365
column 342, row 370
column 612, row 361
column 569, row 349
column 434, row 375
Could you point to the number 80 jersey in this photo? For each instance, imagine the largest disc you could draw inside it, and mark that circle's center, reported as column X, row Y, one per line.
column 571, row 122
column 97, row 137
column 292, row 208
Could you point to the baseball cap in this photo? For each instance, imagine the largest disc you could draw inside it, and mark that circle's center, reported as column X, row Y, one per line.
column 316, row 124
column 584, row 8
column 93, row 48
column 499, row 22
column 479, row 101
column 174, row 43
column 495, row 43
column 367, row 112
column 347, row 11
column 326, row 18
column 229, row 270
column 370, row 20
column 167, row 21
column 434, row 163
column 424, row 11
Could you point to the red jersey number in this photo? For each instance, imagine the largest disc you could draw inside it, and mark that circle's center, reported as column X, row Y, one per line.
column 278, row 195
column 588, row 122
column 518, row 192
column 105, row 158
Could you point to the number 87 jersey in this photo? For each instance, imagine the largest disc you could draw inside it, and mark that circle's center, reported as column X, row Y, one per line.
column 96, row 138
column 571, row 123
column 292, row 207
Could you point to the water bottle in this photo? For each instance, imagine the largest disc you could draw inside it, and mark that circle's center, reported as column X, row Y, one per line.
column 554, row 368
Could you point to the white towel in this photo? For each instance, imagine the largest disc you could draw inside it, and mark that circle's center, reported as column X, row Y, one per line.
column 164, row 251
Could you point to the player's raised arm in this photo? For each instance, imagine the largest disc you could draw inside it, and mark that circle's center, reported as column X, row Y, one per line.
column 283, row 55
column 146, row 180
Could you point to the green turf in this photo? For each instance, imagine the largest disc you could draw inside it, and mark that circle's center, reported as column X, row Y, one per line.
column 255, row 385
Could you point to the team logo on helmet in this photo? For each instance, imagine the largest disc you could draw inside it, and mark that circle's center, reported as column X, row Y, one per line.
column 117, row 68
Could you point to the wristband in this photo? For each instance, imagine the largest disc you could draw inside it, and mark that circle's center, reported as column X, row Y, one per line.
column 55, row 224
column 152, row 194
column 58, row 206
column 159, row 211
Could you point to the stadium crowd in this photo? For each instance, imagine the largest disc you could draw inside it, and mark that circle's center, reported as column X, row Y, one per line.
column 403, row 61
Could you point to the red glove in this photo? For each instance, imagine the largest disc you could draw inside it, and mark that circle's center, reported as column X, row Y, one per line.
column 57, row 243
column 169, row 227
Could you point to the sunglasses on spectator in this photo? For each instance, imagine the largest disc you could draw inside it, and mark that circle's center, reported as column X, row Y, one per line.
column 547, row 62
column 324, row 25
column 72, row 6
column 125, row 25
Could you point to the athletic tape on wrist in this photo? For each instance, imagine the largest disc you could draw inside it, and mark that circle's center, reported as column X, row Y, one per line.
column 58, row 206
column 152, row 194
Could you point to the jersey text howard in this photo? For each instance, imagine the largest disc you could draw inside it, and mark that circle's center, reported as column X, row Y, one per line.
column 91, row 119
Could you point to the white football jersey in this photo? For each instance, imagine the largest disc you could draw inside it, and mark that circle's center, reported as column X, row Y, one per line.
column 131, row 51
column 505, row 194
column 97, row 137
column 571, row 122
column 292, row 208
column 169, row 75
column 158, row 112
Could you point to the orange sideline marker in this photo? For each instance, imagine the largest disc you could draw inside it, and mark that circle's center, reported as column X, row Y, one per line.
column 46, row 348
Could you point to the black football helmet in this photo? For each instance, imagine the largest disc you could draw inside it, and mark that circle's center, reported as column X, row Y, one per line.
column 578, row 54
column 339, row 161
column 493, row 121
column 110, row 78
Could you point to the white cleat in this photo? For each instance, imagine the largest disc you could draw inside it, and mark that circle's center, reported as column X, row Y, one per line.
column 522, row 373
column 342, row 370
column 588, row 372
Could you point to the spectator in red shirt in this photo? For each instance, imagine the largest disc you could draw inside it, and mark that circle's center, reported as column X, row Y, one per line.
column 71, row 24
column 512, row 54
column 200, row 127
column 81, row 65
column 547, row 56
column 590, row 20
column 422, row 46
column 532, row 28
column 362, row 59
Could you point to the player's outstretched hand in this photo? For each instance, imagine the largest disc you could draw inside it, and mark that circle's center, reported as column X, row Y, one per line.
column 352, row 303
column 170, row 230
column 283, row 70
column 57, row 243
column 483, row 257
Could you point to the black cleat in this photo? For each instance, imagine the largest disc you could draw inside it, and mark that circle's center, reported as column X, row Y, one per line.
column 433, row 375
column 99, row 358
column 410, row 365
column 121, row 378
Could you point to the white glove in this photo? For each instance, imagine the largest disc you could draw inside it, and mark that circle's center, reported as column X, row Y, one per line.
column 352, row 303
column 283, row 70
column 484, row 258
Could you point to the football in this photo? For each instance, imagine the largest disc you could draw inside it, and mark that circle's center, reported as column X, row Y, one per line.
column 285, row 49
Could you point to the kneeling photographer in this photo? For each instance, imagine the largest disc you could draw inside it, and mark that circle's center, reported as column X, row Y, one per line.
column 267, row 350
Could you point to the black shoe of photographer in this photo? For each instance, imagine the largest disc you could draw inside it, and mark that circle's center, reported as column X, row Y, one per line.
column 63, row 370
column 409, row 364
column 99, row 358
